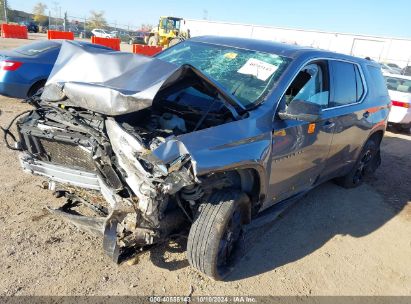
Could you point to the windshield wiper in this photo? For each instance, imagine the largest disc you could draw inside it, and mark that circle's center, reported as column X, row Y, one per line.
column 239, row 85
column 235, row 90
column 200, row 122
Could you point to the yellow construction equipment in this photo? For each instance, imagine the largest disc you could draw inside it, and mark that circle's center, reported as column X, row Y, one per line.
column 169, row 31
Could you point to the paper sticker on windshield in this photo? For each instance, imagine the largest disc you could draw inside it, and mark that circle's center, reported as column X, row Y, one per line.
column 260, row 69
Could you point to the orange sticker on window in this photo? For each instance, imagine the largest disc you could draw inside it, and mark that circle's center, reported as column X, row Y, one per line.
column 311, row 128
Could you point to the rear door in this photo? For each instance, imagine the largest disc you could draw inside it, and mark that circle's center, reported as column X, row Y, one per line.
column 349, row 115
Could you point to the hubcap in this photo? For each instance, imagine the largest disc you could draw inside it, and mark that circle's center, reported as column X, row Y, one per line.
column 228, row 241
column 362, row 167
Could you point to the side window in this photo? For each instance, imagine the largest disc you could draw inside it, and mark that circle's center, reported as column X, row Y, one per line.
column 348, row 87
column 311, row 85
column 378, row 82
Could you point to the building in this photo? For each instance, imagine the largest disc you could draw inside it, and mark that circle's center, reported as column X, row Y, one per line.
column 381, row 49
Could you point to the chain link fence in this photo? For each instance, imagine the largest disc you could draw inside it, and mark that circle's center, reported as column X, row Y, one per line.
column 58, row 21
column 81, row 26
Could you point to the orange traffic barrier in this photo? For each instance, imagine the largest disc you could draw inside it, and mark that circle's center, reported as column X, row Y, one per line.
column 60, row 35
column 14, row 31
column 146, row 50
column 113, row 43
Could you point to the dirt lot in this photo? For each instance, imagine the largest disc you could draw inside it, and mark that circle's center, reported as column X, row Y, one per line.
column 333, row 242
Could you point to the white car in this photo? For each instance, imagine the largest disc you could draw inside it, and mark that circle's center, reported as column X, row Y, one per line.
column 387, row 68
column 102, row 33
column 399, row 88
column 394, row 67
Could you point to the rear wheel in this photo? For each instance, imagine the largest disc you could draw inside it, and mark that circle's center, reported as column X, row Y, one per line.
column 213, row 241
column 406, row 128
column 367, row 162
column 36, row 87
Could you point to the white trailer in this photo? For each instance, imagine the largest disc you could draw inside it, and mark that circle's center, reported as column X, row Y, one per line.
column 382, row 49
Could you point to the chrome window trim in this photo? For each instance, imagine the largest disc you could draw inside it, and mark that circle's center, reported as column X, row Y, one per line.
column 304, row 64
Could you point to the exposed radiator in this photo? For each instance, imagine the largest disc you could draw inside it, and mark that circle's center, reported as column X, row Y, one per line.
column 67, row 154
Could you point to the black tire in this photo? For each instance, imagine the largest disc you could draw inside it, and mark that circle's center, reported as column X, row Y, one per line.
column 153, row 41
column 215, row 235
column 406, row 128
column 368, row 161
column 35, row 87
column 399, row 128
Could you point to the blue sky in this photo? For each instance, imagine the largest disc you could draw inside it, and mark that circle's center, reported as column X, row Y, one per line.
column 378, row 17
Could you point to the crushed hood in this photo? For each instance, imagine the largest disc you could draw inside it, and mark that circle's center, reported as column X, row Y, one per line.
column 111, row 82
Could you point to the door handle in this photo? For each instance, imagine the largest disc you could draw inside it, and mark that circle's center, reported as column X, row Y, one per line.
column 366, row 114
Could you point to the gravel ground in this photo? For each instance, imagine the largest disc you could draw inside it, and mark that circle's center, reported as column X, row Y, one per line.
column 332, row 242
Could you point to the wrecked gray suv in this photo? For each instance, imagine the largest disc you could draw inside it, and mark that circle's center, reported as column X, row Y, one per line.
column 203, row 137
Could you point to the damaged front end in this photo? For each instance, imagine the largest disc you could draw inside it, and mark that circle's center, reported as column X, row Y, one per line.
column 130, row 197
column 113, row 153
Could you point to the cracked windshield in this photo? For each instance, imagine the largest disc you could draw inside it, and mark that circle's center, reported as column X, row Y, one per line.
column 247, row 75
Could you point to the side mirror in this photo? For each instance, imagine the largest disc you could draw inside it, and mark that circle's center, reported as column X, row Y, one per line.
column 301, row 110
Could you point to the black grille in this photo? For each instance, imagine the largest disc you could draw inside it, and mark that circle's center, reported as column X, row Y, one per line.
column 67, row 154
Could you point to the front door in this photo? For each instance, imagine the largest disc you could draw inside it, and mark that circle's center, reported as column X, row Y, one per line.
column 300, row 149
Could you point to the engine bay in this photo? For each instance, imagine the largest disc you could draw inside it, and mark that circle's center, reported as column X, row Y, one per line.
column 175, row 112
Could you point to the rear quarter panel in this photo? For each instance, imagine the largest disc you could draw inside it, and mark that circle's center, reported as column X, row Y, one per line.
column 32, row 70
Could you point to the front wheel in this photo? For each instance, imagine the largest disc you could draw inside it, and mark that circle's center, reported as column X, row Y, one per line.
column 153, row 41
column 367, row 162
column 213, row 241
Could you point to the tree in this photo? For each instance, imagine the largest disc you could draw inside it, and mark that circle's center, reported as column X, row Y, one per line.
column 39, row 12
column 146, row 27
column 96, row 20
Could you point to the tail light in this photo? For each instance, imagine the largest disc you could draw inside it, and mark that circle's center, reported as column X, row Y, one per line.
column 400, row 104
column 10, row 65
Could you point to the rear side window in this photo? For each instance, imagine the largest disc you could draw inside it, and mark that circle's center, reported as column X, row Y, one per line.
column 378, row 81
column 348, row 87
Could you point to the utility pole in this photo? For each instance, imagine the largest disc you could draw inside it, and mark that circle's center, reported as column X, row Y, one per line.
column 49, row 19
column 65, row 21
column 85, row 23
column 5, row 11
column 56, row 11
